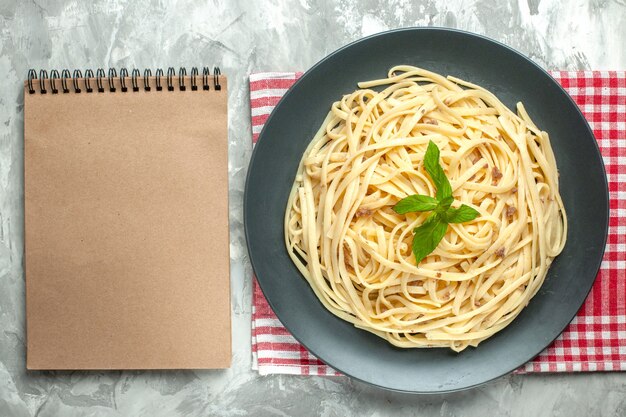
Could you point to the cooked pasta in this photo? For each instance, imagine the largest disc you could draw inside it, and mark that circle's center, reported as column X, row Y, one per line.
column 355, row 250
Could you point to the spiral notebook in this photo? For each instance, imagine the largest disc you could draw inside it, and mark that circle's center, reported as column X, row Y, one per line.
column 126, row 220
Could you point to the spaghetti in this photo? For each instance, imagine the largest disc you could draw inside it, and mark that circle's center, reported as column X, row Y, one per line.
column 355, row 251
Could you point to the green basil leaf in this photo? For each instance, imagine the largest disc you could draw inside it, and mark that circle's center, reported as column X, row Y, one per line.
column 434, row 169
column 415, row 203
column 446, row 203
column 427, row 236
column 461, row 214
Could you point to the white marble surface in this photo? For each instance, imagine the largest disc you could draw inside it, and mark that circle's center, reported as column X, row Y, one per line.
column 245, row 36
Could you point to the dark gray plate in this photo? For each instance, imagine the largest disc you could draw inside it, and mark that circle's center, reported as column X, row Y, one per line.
column 512, row 77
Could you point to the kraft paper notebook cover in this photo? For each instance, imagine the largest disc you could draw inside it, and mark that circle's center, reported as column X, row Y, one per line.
column 126, row 220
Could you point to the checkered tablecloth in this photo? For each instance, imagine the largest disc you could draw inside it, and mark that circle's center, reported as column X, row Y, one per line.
column 596, row 338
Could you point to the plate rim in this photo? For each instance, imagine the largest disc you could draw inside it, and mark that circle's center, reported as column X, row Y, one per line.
column 246, row 205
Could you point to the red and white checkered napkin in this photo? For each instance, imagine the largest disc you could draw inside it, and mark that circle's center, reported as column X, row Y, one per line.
column 596, row 338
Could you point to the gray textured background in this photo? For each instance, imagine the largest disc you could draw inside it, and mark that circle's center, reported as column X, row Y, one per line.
column 245, row 36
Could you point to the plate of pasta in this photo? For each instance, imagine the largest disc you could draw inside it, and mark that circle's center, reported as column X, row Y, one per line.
column 426, row 210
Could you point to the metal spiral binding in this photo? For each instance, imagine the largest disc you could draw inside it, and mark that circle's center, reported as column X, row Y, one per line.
column 99, row 76
column 43, row 75
column 170, row 75
column 65, row 75
column 54, row 75
column 49, row 82
column 78, row 74
column 123, row 75
column 194, row 76
column 216, row 78
column 88, row 76
column 205, row 78
column 112, row 76
column 182, row 73
column 159, row 74
column 133, row 79
column 32, row 75
column 147, row 73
